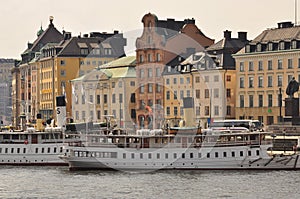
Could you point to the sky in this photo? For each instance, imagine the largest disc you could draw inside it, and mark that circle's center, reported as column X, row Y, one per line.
column 20, row 20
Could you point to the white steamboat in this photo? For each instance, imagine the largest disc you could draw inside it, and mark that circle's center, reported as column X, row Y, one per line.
column 177, row 148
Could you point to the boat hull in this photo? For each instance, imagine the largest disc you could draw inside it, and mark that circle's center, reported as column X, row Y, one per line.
column 245, row 158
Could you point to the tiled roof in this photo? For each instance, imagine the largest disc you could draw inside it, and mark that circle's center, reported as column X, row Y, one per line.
column 278, row 34
column 124, row 61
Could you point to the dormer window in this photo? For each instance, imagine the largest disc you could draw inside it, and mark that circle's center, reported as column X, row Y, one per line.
column 169, row 69
column 247, row 48
column 282, row 45
column 294, row 44
column 270, row 46
column 258, row 48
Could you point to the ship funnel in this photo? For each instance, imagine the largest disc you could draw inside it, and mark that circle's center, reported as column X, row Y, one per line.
column 61, row 111
column 188, row 109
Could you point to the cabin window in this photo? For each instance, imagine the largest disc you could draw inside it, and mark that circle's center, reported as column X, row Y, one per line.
column 36, row 150
column 149, row 155
column 141, row 155
column 12, row 150
column 6, row 150
column 166, row 155
column 54, row 149
column 175, row 155
column 15, row 137
column 233, row 154
column 257, row 152
column 43, row 150
column 18, row 150
column 208, row 155
column 249, row 153
column 216, row 154
column 224, row 154
column 49, row 149
column 178, row 140
column 132, row 155
column 61, row 150
column 124, row 155
column 183, row 155
column 241, row 153
column 0, row 150
column 158, row 155
column 199, row 155
column 24, row 150
column 191, row 155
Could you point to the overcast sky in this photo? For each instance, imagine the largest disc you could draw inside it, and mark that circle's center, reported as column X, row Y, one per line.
column 20, row 20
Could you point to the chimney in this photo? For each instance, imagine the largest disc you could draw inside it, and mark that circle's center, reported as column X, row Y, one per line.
column 189, row 21
column 29, row 45
column 227, row 34
column 67, row 35
column 85, row 35
column 242, row 36
column 287, row 24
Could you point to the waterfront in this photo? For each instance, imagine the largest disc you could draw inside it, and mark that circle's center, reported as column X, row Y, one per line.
column 59, row 182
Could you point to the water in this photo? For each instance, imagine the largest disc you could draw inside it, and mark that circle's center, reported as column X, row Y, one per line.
column 59, row 182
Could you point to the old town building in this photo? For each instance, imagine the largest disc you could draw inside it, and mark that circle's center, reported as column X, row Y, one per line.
column 6, row 65
column 106, row 90
column 264, row 68
column 160, row 42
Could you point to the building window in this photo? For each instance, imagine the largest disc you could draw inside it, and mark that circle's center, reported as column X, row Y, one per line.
column 270, row 46
column 216, row 109
column 250, row 101
column 188, row 80
column 175, row 111
column 120, row 98
column 105, row 99
column 181, row 80
column 251, row 67
column 150, row 88
column 63, row 73
column 158, row 73
column 188, row 93
column 282, row 45
column 242, row 101
column 141, row 58
column 242, row 67
column 175, row 95
column 260, row 65
column 206, row 93
column 242, row 82
column 270, row 65
column 198, row 94
column 167, row 81
column 142, row 89
column 206, row 79
column 113, row 98
column 251, row 82
column 168, row 95
column 260, row 81
column 216, row 78
column 228, row 93
column 150, row 74
column 270, row 100
column 228, row 78
column 228, row 110
column 260, row 100
column 168, row 111
column 142, row 73
column 62, row 62
column 206, row 110
column 197, row 79
column 216, row 93
column 279, row 80
column 270, row 81
column 174, row 80
column 294, row 44
column 149, row 58
column 181, row 94
column 290, row 63
column 279, row 64
column 158, row 57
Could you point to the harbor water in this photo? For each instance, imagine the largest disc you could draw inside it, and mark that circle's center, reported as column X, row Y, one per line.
column 59, row 182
